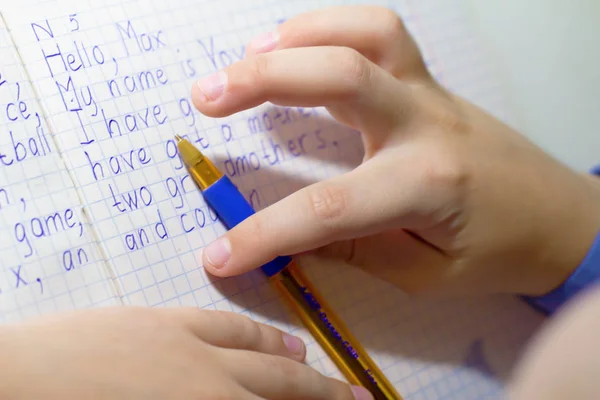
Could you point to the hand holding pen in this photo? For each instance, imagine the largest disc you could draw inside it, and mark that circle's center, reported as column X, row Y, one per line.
column 303, row 298
column 447, row 200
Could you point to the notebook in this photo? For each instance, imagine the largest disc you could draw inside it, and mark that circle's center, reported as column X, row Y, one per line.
column 96, row 209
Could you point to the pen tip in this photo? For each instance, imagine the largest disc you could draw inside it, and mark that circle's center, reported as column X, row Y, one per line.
column 179, row 138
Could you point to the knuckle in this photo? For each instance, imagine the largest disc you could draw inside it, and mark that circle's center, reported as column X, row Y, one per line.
column 445, row 173
column 261, row 67
column 353, row 67
column 247, row 332
column 251, row 331
column 451, row 121
column 442, row 112
column 391, row 25
column 326, row 387
column 228, row 317
column 329, row 203
column 296, row 377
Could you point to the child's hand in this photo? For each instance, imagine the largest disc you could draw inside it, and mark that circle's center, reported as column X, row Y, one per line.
column 447, row 198
column 138, row 353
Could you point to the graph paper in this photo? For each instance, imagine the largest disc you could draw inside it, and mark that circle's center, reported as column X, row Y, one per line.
column 112, row 81
column 49, row 260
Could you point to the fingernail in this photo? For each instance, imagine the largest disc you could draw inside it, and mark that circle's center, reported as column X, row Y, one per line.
column 293, row 343
column 264, row 42
column 218, row 252
column 360, row 393
column 212, row 86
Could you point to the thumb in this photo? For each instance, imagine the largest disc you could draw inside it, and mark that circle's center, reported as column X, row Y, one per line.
column 359, row 203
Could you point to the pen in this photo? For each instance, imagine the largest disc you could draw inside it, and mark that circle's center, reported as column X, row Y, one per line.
column 314, row 312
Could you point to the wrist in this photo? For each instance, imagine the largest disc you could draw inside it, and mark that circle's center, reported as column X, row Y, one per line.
column 581, row 251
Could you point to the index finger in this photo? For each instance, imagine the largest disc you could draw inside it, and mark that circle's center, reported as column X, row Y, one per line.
column 358, row 92
column 344, row 207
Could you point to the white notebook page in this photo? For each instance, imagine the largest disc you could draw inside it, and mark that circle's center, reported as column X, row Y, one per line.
column 49, row 261
column 114, row 79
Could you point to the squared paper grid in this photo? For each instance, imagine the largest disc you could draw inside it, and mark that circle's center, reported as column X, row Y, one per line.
column 428, row 350
column 33, row 277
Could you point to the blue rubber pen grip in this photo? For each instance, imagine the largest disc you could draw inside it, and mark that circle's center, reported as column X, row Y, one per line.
column 232, row 208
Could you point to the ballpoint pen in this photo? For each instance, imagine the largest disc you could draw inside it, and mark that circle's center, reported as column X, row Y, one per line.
column 314, row 312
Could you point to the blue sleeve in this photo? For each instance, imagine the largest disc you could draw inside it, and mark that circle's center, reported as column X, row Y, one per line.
column 587, row 273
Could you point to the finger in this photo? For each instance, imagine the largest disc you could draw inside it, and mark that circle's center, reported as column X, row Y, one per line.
column 362, row 202
column 278, row 378
column 376, row 32
column 358, row 92
column 236, row 331
column 397, row 257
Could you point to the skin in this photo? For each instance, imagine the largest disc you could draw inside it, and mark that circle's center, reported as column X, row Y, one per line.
column 467, row 206
column 143, row 353
column 563, row 361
